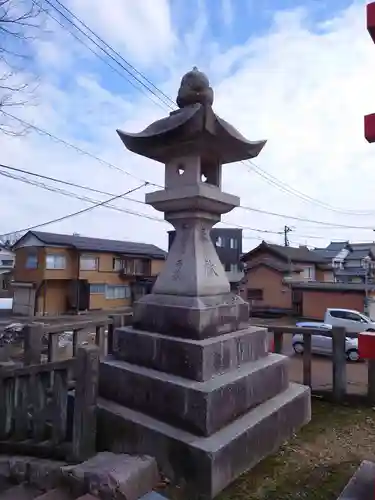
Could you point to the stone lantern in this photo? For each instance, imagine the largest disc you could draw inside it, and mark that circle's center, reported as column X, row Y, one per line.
column 190, row 382
column 191, row 297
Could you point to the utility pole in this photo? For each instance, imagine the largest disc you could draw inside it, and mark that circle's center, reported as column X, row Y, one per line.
column 287, row 230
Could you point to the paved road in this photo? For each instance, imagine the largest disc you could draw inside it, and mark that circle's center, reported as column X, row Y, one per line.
column 322, row 370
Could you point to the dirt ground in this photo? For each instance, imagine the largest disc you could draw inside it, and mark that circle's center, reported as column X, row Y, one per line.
column 316, row 464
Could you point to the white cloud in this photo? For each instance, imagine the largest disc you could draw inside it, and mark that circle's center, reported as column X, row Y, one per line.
column 141, row 30
column 303, row 87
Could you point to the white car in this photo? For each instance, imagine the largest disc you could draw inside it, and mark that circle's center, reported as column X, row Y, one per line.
column 321, row 343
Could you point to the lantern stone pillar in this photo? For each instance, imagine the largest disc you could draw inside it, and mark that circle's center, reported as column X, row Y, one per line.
column 191, row 383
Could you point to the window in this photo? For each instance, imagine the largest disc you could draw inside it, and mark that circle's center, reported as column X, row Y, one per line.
column 32, row 261
column 219, row 242
column 55, row 261
column 346, row 315
column 308, row 273
column 254, row 294
column 88, row 263
column 233, row 243
column 130, row 266
column 117, row 292
column 353, row 317
column 6, row 262
column 117, row 264
column 97, row 288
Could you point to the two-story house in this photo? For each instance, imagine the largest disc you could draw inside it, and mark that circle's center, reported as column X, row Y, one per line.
column 228, row 243
column 297, row 281
column 6, row 269
column 58, row 273
column 271, row 269
column 351, row 262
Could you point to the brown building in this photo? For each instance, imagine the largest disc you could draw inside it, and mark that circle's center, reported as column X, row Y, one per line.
column 58, row 273
column 295, row 281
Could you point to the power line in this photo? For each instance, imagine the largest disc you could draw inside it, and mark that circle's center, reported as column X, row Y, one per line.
column 283, row 186
column 106, row 193
column 111, row 165
column 73, row 214
column 70, row 194
column 101, row 57
column 303, row 219
column 90, row 200
column 78, row 149
column 266, row 176
column 103, row 50
column 116, row 53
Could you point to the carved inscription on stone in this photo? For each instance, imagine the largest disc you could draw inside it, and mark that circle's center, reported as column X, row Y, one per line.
column 210, row 268
column 205, row 234
column 176, row 276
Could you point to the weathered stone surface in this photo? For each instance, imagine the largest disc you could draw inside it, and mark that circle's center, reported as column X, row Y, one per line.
column 362, row 484
column 39, row 472
column 200, row 407
column 115, row 476
column 193, row 359
column 20, row 492
column 191, row 317
column 209, row 464
column 45, row 474
column 55, row 494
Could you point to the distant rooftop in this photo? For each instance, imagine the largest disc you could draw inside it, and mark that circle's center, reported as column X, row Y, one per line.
column 97, row 244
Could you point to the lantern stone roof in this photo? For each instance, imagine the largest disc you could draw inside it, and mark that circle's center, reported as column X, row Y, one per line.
column 192, row 129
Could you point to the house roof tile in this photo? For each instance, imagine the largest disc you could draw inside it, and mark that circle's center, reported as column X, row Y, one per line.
column 100, row 245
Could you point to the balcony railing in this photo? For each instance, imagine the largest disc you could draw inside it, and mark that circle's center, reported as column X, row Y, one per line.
column 128, row 272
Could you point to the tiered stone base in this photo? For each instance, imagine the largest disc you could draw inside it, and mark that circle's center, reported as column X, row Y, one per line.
column 208, row 410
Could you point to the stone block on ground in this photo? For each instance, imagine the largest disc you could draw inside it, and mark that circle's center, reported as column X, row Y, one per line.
column 40, row 473
column 20, row 492
column 193, row 359
column 115, row 476
column 55, row 494
column 362, row 484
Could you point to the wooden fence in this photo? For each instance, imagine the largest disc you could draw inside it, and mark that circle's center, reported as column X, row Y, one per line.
column 39, row 415
column 48, row 405
column 339, row 360
column 34, row 334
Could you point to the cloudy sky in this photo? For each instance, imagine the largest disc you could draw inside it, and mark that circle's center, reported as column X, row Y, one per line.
column 298, row 73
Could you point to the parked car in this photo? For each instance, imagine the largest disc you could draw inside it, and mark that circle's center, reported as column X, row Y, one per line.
column 353, row 321
column 321, row 342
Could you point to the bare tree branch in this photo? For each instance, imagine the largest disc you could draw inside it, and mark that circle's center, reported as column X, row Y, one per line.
column 20, row 23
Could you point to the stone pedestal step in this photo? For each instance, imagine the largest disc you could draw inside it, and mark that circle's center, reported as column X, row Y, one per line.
column 199, row 407
column 193, row 359
column 209, row 464
column 362, row 484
